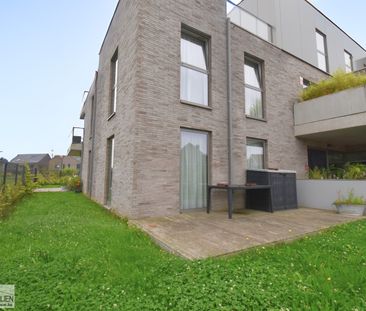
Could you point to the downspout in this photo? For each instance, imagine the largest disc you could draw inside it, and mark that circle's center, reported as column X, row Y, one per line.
column 229, row 104
column 93, row 133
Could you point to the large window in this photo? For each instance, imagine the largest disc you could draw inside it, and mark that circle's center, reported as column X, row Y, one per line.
column 348, row 59
column 321, row 47
column 110, row 165
column 194, row 73
column 253, row 88
column 194, row 166
column 255, row 153
column 114, row 83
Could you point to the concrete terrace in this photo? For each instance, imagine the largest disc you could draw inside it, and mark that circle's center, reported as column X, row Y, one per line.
column 197, row 235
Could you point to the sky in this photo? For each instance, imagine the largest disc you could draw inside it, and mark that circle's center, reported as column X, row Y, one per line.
column 48, row 56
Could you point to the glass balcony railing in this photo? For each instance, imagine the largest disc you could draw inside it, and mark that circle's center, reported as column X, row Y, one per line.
column 248, row 21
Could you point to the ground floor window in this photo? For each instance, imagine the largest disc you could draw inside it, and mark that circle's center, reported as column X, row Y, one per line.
column 110, row 164
column 255, row 153
column 194, row 169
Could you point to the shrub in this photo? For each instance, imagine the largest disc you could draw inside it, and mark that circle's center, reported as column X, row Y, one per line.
column 339, row 82
column 350, row 200
column 10, row 194
column 355, row 171
column 73, row 183
column 68, row 172
column 349, row 172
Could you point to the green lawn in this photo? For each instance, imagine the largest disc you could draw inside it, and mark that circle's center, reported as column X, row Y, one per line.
column 64, row 252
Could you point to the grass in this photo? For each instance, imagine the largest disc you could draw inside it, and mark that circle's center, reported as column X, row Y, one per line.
column 338, row 82
column 64, row 252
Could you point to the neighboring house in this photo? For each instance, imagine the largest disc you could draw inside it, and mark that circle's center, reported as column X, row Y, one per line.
column 184, row 97
column 36, row 162
column 3, row 160
column 57, row 163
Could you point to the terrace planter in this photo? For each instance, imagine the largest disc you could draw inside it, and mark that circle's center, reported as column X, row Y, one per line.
column 350, row 209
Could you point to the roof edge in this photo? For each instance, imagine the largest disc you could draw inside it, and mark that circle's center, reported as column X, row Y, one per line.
column 109, row 26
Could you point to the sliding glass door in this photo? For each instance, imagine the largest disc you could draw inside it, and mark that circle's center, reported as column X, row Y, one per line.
column 194, row 167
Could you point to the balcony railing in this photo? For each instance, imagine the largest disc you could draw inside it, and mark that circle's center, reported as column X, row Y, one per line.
column 76, row 146
column 242, row 18
column 361, row 71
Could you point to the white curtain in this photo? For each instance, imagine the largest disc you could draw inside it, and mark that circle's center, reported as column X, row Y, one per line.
column 193, row 169
column 255, row 155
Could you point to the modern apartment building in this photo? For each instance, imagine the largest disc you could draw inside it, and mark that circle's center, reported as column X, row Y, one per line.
column 191, row 92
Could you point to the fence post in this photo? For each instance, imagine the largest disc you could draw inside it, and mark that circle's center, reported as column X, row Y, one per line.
column 16, row 174
column 5, row 172
column 23, row 175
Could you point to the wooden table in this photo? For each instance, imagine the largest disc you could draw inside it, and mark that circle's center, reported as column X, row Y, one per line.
column 230, row 191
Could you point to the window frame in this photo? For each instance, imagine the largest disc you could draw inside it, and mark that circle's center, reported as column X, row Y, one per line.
column 305, row 83
column 208, row 135
column 92, row 116
column 261, row 89
column 110, row 150
column 264, row 144
column 200, row 38
column 113, row 89
column 346, row 53
column 325, row 53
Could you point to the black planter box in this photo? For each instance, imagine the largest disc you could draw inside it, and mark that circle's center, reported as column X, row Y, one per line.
column 282, row 196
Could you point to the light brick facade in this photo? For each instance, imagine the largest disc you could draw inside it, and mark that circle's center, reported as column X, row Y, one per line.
column 149, row 114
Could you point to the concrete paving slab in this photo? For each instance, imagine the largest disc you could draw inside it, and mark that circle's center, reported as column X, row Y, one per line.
column 197, row 235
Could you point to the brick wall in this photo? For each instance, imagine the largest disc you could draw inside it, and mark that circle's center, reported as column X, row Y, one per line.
column 150, row 115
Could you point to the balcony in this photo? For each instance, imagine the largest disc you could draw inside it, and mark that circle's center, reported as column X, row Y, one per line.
column 76, row 146
column 337, row 119
column 242, row 18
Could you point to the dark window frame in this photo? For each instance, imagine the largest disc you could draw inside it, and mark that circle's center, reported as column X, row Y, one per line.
column 351, row 61
column 261, row 64
column 200, row 38
column 265, row 150
column 113, row 89
column 109, row 169
column 325, row 53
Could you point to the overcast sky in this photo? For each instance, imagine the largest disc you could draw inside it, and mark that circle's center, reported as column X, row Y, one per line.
column 48, row 56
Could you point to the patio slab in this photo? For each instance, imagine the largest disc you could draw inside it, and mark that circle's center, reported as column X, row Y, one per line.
column 50, row 190
column 197, row 235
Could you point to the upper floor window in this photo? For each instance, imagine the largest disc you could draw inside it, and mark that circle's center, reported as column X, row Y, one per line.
column 348, row 59
column 114, row 83
column 194, row 72
column 253, row 88
column 322, row 53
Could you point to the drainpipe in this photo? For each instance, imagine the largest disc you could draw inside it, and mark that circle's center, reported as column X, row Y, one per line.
column 93, row 135
column 229, row 115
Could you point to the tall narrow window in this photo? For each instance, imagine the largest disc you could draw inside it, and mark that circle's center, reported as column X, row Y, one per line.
column 253, row 89
column 114, row 83
column 194, row 73
column 90, row 172
column 348, row 59
column 91, row 118
column 194, row 166
column 110, row 165
column 255, row 153
column 322, row 53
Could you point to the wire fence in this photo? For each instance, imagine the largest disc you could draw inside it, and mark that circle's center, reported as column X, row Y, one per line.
column 15, row 174
column 12, row 174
